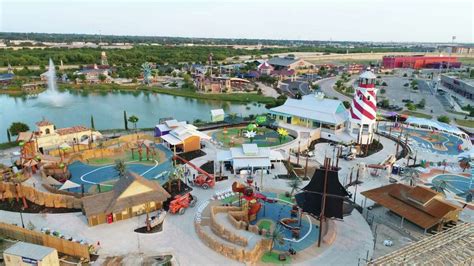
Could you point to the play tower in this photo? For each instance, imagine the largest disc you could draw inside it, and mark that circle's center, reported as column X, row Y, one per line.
column 364, row 108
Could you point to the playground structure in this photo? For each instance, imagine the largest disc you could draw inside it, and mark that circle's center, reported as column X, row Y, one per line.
column 143, row 144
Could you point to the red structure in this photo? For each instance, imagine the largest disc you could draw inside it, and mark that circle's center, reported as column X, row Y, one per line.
column 420, row 61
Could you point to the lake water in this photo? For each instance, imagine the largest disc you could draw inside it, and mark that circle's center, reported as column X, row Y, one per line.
column 75, row 108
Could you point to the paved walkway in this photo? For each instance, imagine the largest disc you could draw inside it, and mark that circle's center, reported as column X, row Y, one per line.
column 268, row 90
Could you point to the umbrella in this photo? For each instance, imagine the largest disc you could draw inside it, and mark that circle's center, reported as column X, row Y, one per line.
column 69, row 184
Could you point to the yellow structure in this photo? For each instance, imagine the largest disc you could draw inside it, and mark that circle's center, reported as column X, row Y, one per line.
column 132, row 195
column 47, row 136
column 27, row 254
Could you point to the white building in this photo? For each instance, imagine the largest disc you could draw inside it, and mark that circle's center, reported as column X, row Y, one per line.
column 313, row 111
column 249, row 157
column 217, row 115
column 26, row 254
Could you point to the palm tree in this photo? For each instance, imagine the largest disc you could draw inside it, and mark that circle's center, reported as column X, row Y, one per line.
column 412, row 175
column 134, row 120
column 294, row 184
column 438, row 186
column 120, row 168
column 276, row 237
column 176, row 176
column 282, row 134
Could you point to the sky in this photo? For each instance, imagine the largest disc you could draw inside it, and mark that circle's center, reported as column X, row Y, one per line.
column 336, row 20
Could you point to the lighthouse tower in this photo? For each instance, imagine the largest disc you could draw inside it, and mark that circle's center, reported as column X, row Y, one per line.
column 364, row 108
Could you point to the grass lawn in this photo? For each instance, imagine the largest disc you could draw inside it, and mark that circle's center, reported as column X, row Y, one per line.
column 272, row 257
column 465, row 123
column 265, row 137
column 7, row 145
column 285, row 198
column 127, row 157
column 230, row 199
column 265, row 224
column 417, row 114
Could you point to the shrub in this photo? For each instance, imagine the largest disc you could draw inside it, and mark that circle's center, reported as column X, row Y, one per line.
column 444, row 119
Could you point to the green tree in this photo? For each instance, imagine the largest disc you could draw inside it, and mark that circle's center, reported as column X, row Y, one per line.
column 121, row 168
column 411, row 175
column 444, row 119
column 102, row 77
column 294, row 184
column 17, row 127
column 347, row 104
column 125, row 120
column 92, row 122
column 82, row 77
column 9, row 137
column 276, row 237
column 421, row 104
column 134, row 120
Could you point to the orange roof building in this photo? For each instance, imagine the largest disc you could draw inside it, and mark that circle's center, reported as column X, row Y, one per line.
column 419, row 205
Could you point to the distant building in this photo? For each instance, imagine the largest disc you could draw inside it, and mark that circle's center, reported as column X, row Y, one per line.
column 420, row 61
column 221, row 84
column 289, row 63
column 27, row 254
column 457, row 49
column 93, row 72
column 131, row 196
column 217, row 115
column 6, row 78
column 464, row 88
column 48, row 137
column 355, row 68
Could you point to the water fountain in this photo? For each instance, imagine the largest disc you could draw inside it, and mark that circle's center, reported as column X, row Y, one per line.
column 52, row 96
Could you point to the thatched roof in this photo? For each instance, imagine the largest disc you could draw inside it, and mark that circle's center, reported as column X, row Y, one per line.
column 112, row 202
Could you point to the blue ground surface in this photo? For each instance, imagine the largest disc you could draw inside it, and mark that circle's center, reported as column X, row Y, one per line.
column 451, row 142
column 277, row 211
column 90, row 175
column 456, row 183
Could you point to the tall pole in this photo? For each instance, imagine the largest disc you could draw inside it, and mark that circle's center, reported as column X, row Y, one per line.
column 327, row 163
column 306, row 166
column 298, row 155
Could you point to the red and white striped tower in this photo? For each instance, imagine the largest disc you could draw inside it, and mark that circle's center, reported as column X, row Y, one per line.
column 364, row 108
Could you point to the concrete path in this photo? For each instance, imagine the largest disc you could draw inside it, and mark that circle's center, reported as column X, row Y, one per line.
column 268, row 90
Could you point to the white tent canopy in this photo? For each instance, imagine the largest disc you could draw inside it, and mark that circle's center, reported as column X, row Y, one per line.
column 69, row 184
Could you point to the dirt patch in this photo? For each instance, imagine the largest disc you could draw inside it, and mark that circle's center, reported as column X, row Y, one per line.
column 156, row 229
column 17, row 206
column 190, row 155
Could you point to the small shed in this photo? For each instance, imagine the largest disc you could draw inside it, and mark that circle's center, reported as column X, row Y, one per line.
column 217, row 115
column 23, row 253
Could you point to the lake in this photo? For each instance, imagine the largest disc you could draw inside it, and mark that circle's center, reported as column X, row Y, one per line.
column 75, row 108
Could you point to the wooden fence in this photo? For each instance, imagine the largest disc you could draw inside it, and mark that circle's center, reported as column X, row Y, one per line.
column 61, row 245
column 10, row 190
